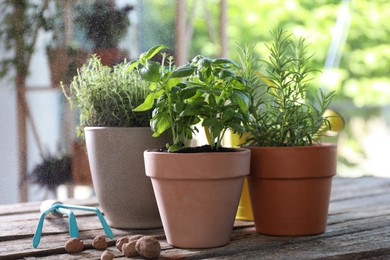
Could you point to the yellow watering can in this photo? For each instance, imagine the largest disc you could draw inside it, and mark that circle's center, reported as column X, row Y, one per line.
column 244, row 211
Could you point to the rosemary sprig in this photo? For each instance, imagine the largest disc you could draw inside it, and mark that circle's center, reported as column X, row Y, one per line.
column 284, row 111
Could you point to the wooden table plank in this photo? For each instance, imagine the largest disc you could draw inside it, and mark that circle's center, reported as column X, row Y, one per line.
column 358, row 228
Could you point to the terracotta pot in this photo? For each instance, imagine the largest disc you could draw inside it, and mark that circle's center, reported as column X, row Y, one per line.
column 124, row 192
column 110, row 57
column 63, row 63
column 197, row 194
column 290, row 188
column 80, row 166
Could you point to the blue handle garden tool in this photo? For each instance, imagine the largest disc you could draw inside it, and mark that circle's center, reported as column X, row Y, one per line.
column 57, row 209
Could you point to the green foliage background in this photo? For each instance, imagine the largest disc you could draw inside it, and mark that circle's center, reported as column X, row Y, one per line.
column 361, row 82
column 362, row 77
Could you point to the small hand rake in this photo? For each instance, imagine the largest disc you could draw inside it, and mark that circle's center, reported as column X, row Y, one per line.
column 57, row 209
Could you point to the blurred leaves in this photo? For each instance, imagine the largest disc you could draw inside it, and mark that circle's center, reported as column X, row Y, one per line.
column 20, row 22
column 363, row 73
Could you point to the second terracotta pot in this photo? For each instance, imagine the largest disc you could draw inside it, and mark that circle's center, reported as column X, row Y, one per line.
column 290, row 188
column 197, row 194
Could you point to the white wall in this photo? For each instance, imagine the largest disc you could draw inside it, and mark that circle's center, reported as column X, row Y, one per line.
column 45, row 108
column 8, row 156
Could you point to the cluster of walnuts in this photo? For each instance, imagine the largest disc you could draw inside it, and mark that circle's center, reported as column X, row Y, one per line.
column 145, row 246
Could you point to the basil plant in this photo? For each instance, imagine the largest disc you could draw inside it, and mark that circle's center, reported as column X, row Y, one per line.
column 204, row 92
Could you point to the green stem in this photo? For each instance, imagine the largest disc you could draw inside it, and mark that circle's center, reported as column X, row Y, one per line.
column 170, row 111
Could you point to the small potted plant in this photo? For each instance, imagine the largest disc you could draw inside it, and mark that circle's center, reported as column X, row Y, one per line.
column 105, row 25
column 197, row 188
column 116, row 137
column 64, row 60
column 53, row 171
column 291, row 170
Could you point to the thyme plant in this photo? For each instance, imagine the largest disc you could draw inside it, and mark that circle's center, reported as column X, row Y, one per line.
column 283, row 112
column 107, row 96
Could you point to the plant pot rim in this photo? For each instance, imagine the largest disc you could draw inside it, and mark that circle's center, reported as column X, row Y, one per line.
column 102, row 128
column 299, row 162
column 306, row 147
column 204, row 166
column 236, row 150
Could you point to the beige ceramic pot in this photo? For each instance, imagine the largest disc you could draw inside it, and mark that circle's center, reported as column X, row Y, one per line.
column 197, row 194
column 124, row 192
column 290, row 188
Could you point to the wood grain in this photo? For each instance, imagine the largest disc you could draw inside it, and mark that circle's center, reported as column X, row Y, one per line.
column 358, row 228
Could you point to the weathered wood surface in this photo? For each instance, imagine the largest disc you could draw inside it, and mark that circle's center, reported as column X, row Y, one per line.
column 358, row 228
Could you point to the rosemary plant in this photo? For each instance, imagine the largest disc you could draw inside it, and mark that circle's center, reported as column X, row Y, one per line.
column 107, row 96
column 284, row 112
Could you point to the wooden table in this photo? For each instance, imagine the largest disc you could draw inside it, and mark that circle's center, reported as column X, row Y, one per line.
column 358, row 228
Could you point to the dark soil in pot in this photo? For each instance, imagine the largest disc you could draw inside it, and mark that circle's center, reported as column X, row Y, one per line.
column 200, row 149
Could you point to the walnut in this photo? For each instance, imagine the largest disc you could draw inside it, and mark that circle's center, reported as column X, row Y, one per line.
column 135, row 237
column 74, row 245
column 107, row 255
column 148, row 247
column 120, row 242
column 99, row 243
column 128, row 249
